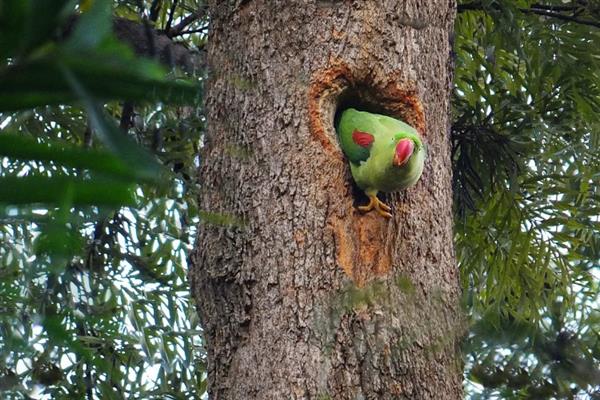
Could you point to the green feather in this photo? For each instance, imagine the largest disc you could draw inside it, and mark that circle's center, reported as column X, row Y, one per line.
column 372, row 167
column 350, row 121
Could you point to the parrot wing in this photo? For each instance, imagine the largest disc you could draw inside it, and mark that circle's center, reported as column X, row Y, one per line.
column 357, row 131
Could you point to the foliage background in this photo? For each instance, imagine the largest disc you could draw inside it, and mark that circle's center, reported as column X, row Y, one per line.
column 98, row 155
column 94, row 230
column 526, row 173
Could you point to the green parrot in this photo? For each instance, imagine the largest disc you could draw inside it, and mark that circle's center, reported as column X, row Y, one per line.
column 385, row 154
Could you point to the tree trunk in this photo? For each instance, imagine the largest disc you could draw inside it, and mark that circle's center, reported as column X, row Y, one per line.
column 300, row 295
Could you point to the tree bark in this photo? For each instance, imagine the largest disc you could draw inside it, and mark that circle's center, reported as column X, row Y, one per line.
column 300, row 295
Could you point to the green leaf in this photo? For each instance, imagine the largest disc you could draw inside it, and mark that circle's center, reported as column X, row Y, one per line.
column 118, row 142
column 25, row 24
column 92, row 28
column 107, row 77
column 24, row 148
column 51, row 190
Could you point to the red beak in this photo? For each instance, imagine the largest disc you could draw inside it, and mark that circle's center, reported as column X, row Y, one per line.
column 404, row 150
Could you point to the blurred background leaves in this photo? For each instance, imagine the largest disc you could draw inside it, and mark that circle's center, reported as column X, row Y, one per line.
column 525, row 140
column 101, row 118
column 97, row 207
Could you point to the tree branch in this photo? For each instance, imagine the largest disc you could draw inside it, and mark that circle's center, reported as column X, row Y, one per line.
column 151, row 43
column 171, row 14
column 196, row 15
column 563, row 17
column 549, row 11
column 473, row 6
column 159, row 45
column 203, row 29
column 126, row 116
column 554, row 7
column 155, row 9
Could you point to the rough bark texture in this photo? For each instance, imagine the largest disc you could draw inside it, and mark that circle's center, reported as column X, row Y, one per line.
column 300, row 295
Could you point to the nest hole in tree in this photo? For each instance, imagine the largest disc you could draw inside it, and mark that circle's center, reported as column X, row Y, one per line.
column 338, row 88
column 362, row 249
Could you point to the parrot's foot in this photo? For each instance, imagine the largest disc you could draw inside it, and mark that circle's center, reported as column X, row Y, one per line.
column 374, row 203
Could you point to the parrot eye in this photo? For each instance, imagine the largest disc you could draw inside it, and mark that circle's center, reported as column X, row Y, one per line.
column 404, row 149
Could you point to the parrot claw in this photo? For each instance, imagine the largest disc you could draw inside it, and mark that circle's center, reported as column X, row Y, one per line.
column 384, row 214
column 374, row 203
column 384, row 206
